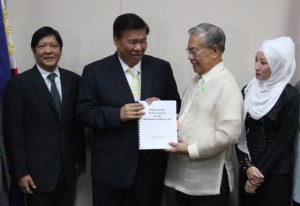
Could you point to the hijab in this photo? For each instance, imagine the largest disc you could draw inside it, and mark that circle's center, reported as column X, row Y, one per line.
column 262, row 95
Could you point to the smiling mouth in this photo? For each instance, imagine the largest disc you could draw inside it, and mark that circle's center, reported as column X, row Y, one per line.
column 48, row 58
column 137, row 55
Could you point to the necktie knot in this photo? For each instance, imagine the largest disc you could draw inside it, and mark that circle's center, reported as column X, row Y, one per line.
column 52, row 76
column 133, row 72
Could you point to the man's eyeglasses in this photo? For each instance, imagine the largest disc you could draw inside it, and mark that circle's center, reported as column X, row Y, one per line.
column 194, row 53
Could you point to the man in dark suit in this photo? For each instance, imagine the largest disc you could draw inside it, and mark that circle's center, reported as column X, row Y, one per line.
column 106, row 104
column 43, row 141
column 3, row 168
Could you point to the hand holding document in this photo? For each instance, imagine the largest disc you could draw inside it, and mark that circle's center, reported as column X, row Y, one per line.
column 158, row 126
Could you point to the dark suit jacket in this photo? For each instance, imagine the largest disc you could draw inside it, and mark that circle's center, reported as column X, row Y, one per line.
column 103, row 91
column 38, row 143
column 3, row 164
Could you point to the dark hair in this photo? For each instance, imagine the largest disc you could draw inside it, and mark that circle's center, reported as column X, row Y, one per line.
column 43, row 32
column 128, row 21
column 210, row 35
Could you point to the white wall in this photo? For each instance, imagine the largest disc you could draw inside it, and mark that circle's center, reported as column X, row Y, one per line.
column 86, row 29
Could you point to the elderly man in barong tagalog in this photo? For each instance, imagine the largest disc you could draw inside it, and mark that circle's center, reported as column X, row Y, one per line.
column 200, row 166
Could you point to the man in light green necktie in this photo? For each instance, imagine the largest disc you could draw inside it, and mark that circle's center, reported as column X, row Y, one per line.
column 135, row 84
column 108, row 102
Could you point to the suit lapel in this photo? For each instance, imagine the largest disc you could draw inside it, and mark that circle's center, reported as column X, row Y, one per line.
column 39, row 84
column 119, row 79
column 146, row 79
column 66, row 88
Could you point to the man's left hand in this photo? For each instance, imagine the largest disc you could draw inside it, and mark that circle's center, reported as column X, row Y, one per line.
column 179, row 148
column 151, row 99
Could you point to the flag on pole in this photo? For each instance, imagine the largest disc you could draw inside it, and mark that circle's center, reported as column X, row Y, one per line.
column 8, row 65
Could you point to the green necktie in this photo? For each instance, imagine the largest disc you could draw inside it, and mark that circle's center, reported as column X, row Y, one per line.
column 54, row 92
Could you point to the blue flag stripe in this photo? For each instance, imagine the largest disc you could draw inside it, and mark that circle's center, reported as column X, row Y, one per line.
column 5, row 72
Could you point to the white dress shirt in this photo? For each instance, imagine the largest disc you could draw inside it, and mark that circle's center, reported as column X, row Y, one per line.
column 129, row 76
column 45, row 74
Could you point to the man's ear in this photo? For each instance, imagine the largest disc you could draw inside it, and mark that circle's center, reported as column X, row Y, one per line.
column 116, row 41
column 33, row 51
column 216, row 51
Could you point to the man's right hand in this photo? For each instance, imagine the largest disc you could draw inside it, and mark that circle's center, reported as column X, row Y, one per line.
column 255, row 176
column 26, row 184
column 250, row 188
column 131, row 111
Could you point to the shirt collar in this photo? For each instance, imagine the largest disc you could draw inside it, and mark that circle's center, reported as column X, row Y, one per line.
column 212, row 72
column 45, row 73
column 126, row 67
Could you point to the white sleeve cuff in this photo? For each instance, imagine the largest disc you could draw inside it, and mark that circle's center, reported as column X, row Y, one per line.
column 193, row 151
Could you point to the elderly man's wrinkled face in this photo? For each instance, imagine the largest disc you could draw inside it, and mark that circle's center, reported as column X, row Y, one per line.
column 199, row 55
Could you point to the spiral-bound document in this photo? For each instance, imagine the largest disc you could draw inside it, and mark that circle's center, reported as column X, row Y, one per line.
column 158, row 126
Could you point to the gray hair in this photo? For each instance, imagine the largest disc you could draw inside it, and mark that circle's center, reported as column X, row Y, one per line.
column 210, row 35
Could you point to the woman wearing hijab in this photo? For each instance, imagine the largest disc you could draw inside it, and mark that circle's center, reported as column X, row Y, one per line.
column 271, row 111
